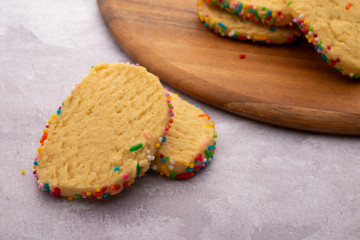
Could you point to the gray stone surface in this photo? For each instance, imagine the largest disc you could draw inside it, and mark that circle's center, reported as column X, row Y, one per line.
column 265, row 182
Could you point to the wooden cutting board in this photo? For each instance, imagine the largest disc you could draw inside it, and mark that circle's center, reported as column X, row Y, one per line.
column 289, row 86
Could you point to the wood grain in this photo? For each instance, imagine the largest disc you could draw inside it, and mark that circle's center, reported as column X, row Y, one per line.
column 288, row 86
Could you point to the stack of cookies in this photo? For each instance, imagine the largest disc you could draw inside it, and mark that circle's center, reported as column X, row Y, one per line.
column 118, row 123
column 332, row 27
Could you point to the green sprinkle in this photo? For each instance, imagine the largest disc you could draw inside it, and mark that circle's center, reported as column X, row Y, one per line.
column 289, row 3
column 138, row 170
column 215, row 135
column 208, row 154
column 263, row 8
column 135, row 147
column 257, row 15
column 92, row 66
column 173, row 175
column 232, row 11
column 311, row 28
column 357, row 76
column 77, row 196
column 213, row 2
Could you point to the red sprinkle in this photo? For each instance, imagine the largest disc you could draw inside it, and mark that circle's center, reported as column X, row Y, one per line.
column 328, row 47
column 242, row 56
column 348, row 6
column 185, row 175
column 57, row 192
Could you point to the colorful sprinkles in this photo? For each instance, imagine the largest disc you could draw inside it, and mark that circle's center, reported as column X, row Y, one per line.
column 104, row 191
column 222, row 30
column 313, row 38
column 252, row 13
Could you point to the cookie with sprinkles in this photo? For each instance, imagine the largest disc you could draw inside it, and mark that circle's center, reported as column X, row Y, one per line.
column 226, row 24
column 190, row 144
column 105, row 134
column 270, row 12
column 333, row 28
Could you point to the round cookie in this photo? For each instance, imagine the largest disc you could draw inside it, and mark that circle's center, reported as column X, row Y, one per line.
column 270, row 12
column 190, row 144
column 233, row 26
column 105, row 134
column 333, row 27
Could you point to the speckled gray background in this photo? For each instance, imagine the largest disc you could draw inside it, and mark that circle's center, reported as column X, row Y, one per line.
column 265, row 182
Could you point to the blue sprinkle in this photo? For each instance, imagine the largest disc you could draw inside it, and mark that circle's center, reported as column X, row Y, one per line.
column 164, row 139
column 211, row 147
column 323, row 57
column 163, row 160
column 105, row 195
column 320, row 48
column 227, row 5
column 206, row 25
column 189, row 169
column 240, row 6
column 222, row 25
column 207, row 162
column 269, row 12
column 46, row 185
column 58, row 111
column 116, row 168
column 251, row 10
column 35, row 163
column 272, row 29
column 196, row 162
column 195, row 105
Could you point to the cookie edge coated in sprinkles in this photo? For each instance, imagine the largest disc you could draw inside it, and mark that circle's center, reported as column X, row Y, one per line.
column 102, row 191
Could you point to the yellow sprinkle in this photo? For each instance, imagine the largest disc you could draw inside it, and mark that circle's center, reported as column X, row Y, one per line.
column 212, row 22
column 305, row 22
column 273, row 14
column 187, row 163
column 99, row 197
column 245, row 6
column 165, row 170
column 34, row 166
column 53, row 116
column 40, row 149
column 157, row 145
column 209, row 126
column 185, row 101
column 98, row 189
column 259, row 38
column 132, row 181
column 70, row 198
column 49, row 122
column 23, row 172
column 192, row 165
column 45, row 130
column 88, row 194
column 201, row 18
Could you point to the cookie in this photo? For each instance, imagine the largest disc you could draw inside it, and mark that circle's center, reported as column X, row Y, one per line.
column 270, row 12
column 233, row 26
column 105, row 134
column 190, row 144
column 333, row 27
